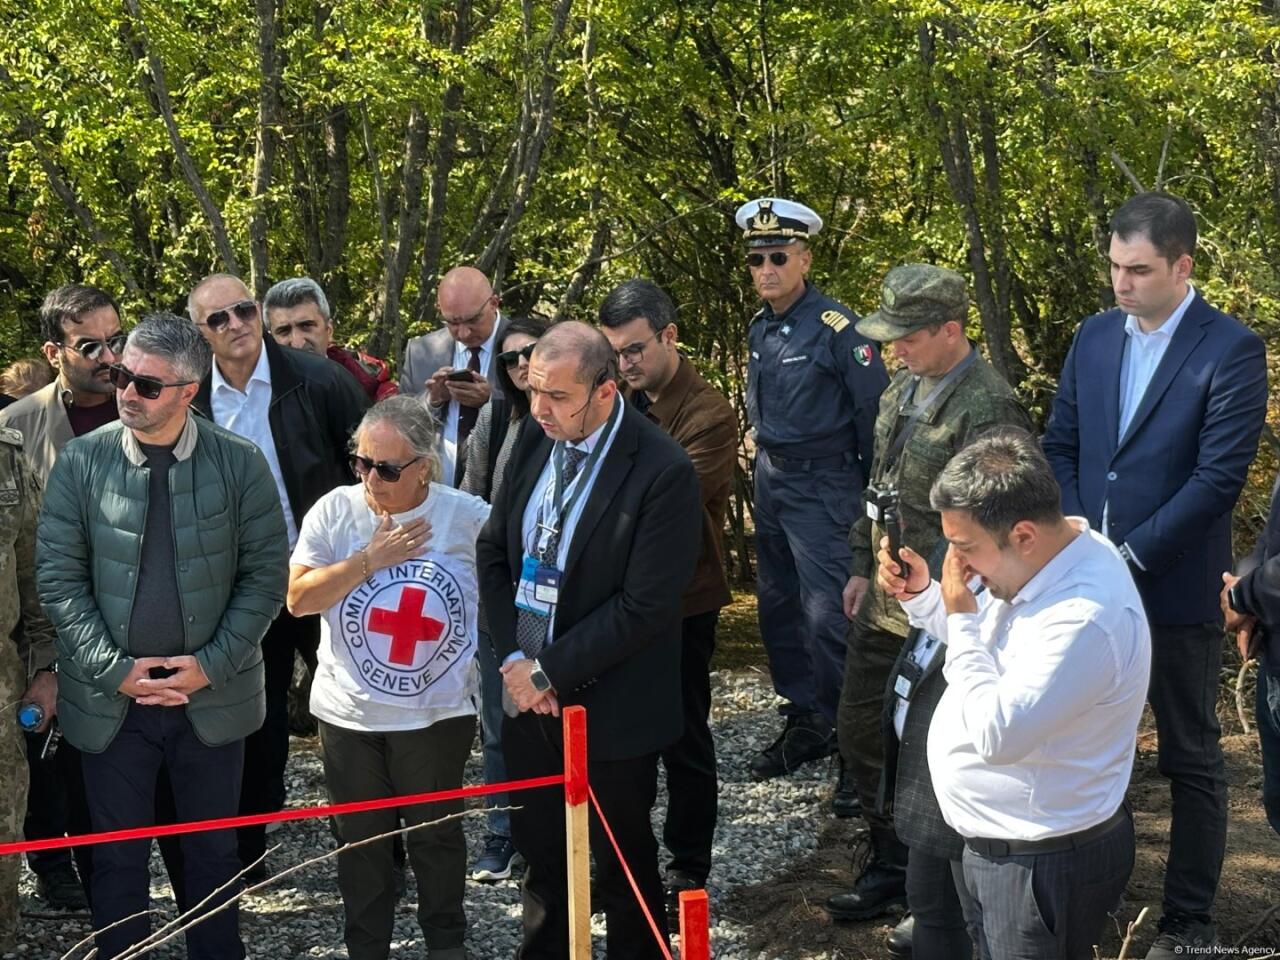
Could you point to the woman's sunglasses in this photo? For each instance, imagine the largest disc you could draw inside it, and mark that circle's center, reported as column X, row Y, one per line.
column 778, row 258
column 92, row 349
column 510, row 358
column 389, row 472
column 149, row 388
column 245, row 311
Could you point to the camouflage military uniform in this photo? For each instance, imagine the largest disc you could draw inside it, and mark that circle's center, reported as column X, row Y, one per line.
column 20, row 657
column 975, row 401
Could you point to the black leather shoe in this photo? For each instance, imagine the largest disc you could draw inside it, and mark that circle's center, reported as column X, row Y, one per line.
column 674, row 885
column 844, row 800
column 881, row 864
column 802, row 740
column 60, row 888
column 899, row 942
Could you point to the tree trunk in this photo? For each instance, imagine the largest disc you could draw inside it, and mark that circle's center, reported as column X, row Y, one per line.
column 160, row 87
column 265, row 145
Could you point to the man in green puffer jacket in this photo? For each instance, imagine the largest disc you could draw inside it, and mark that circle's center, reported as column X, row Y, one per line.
column 161, row 560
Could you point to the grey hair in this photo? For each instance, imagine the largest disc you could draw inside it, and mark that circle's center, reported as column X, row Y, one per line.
column 176, row 341
column 410, row 418
column 294, row 292
column 1000, row 479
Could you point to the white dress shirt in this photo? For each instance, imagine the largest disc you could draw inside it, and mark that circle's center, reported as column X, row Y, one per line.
column 461, row 359
column 244, row 413
column 1143, row 353
column 541, row 496
column 1035, row 734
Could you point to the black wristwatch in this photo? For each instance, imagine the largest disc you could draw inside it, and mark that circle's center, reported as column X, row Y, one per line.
column 1235, row 597
column 541, row 682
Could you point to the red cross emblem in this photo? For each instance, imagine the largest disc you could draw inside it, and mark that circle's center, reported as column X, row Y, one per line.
column 406, row 626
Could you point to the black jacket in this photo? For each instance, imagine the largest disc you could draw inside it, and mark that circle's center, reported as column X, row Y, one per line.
column 616, row 645
column 315, row 407
column 1260, row 583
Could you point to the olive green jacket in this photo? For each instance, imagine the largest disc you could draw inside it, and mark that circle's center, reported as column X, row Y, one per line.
column 974, row 403
column 231, row 553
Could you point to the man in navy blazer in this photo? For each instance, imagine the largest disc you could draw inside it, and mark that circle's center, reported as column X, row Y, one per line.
column 1153, row 428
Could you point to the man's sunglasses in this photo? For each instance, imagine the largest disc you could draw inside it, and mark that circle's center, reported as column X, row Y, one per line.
column 509, row 358
column 778, row 258
column 147, row 387
column 389, row 472
column 92, row 349
column 245, row 311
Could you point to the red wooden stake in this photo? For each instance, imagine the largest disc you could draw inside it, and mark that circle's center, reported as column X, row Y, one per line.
column 695, row 925
column 577, row 843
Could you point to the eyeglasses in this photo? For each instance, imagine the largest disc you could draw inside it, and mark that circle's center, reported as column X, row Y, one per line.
column 389, row 472
column 92, row 349
column 468, row 321
column 245, row 310
column 778, row 258
column 147, row 387
column 634, row 352
column 510, row 358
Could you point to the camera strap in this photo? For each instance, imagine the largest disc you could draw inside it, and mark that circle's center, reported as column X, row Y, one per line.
column 903, row 433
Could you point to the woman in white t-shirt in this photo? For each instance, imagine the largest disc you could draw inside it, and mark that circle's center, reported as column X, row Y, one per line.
column 390, row 562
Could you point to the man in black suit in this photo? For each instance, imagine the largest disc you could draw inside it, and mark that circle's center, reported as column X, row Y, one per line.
column 589, row 546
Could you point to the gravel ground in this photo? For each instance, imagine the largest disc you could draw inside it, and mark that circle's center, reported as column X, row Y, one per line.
column 762, row 828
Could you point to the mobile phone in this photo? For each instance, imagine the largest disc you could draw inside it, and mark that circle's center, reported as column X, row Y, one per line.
column 893, row 529
column 160, row 673
column 458, row 376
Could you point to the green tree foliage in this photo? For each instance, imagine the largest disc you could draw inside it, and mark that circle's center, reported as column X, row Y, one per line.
column 565, row 145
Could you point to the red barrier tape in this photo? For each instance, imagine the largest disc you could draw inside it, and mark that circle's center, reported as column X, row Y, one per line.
column 300, row 813
column 635, row 887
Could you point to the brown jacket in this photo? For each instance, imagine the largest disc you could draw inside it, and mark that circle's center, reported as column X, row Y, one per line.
column 700, row 419
column 42, row 420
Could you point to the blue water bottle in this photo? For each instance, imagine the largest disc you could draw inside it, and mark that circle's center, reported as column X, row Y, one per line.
column 30, row 716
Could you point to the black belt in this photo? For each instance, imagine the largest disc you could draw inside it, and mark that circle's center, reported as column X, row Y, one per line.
column 1070, row 841
column 793, row 465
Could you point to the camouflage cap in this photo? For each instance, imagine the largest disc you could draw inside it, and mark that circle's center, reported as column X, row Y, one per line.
column 913, row 296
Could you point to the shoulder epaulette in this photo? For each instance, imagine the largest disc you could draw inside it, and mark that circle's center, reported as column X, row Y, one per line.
column 836, row 320
column 10, row 435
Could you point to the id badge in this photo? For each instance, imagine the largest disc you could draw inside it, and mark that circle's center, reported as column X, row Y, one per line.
column 873, row 510
column 904, row 685
column 546, row 584
column 527, row 588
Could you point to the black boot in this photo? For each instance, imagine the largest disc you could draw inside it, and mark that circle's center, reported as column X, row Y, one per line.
column 899, row 942
column 882, row 879
column 803, row 739
column 844, row 801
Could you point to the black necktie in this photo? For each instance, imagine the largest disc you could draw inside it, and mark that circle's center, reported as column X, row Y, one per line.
column 466, row 420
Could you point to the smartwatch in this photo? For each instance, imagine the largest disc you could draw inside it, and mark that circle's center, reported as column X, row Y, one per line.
column 1235, row 597
column 541, row 682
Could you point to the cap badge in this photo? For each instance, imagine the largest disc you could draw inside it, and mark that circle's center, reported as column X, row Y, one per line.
column 887, row 296
column 765, row 218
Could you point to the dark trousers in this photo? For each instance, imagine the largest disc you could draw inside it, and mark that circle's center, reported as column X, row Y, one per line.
column 56, row 807
column 120, row 784
column 802, row 564
column 867, row 665
column 365, row 766
column 692, row 785
column 1268, row 715
column 1050, row 906
column 626, row 790
column 266, row 752
column 1185, row 666
column 940, row 932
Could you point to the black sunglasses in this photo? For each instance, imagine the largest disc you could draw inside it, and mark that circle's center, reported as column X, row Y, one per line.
column 510, row 358
column 778, row 258
column 147, row 387
column 389, row 472
column 92, row 349
column 245, row 310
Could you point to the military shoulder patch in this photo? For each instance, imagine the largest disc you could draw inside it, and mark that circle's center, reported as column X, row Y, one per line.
column 10, row 435
column 836, row 320
column 863, row 355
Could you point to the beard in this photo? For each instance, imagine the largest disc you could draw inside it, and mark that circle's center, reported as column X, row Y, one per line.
column 87, row 381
